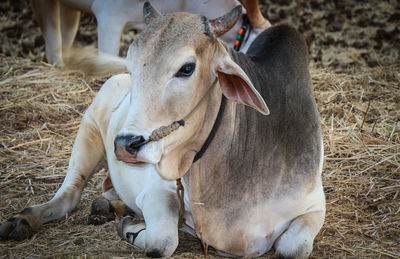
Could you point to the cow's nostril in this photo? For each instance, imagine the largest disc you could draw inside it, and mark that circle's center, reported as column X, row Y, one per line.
column 129, row 143
column 136, row 142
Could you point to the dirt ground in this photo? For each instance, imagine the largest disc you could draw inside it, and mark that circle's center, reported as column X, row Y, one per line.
column 355, row 49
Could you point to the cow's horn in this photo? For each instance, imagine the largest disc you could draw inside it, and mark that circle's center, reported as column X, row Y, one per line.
column 149, row 13
column 224, row 23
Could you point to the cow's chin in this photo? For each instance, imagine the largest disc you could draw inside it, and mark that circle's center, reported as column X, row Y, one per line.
column 173, row 166
column 166, row 173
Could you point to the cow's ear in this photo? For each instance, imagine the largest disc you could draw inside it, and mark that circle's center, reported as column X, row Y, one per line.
column 234, row 82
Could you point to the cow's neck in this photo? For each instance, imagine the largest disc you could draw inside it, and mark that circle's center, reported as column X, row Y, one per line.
column 212, row 112
column 214, row 130
column 199, row 178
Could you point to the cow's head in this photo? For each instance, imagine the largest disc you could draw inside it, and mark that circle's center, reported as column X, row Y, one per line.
column 172, row 64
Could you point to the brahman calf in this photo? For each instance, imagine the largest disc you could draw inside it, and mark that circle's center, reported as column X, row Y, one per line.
column 251, row 182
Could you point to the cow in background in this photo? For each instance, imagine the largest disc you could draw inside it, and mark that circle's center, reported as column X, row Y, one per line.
column 59, row 20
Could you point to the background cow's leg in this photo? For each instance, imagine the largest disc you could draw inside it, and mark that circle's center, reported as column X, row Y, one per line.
column 297, row 240
column 69, row 25
column 158, row 237
column 88, row 150
column 47, row 14
column 256, row 18
column 109, row 34
column 258, row 22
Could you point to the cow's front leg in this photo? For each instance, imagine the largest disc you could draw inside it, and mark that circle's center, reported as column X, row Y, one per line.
column 88, row 150
column 157, row 234
column 297, row 240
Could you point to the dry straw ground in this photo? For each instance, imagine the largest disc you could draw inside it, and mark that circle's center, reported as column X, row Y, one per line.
column 356, row 76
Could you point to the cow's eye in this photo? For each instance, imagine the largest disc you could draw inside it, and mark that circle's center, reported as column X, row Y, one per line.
column 186, row 70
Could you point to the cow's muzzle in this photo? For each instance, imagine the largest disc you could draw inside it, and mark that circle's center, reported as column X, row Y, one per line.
column 126, row 147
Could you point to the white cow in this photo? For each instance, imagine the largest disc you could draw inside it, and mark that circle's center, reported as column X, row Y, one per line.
column 59, row 20
column 251, row 182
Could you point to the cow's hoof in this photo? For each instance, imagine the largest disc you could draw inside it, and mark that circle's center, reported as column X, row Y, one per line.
column 16, row 228
column 154, row 254
column 129, row 228
column 280, row 256
column 101, row 212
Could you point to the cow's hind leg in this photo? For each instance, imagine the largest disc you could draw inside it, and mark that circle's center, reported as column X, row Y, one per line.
column 157, row 234
column 297, row 240
column 88, row 150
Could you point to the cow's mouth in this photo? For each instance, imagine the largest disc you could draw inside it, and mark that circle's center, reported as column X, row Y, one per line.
column 128, row 158
column 139, row 164
column 142, row 156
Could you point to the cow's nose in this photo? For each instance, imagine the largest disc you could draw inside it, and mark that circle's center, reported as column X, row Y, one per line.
column 130, row 143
